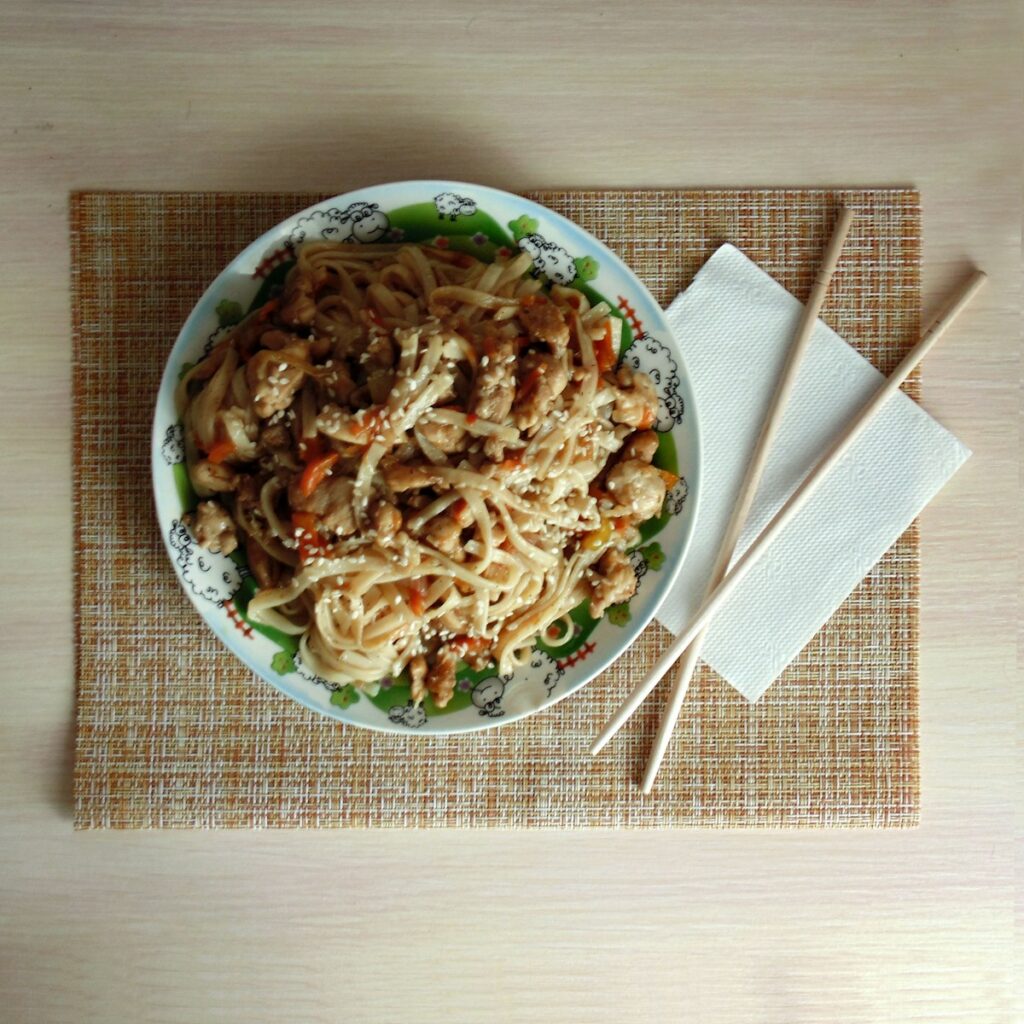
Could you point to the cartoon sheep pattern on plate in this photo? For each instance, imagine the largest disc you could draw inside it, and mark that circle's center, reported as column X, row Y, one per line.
column 452, row 206
column 173, row 447
column 528, row 689
column 494, row 696
column 309, row 675
column 487, row 694
column 639, row 564
column 650, row 356
column 211, row 576
column 549, row 258
column 411, row 715
column 676, row 497
column 358, row 222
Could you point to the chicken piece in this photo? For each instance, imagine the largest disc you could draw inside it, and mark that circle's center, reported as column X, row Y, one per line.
column 319, row 347
column 387, row 521
column 338, row 382
column 277, row 339
column 638, row 486
column 544, row 321
column 247, row 508
column 500, row 572
column 494, row 449
column 349, row 340
column 642, row 445
column 542, row 379
column 449, row 437
column 380, row 354
column 266, row 570
column 213, row 528
column 212, row 478
column 331, row 503
column 275, row 438
column 462, row 513
column 298, row 302
column 441, row 677
column 478, row 656
column 256, row 332
column 404, row 476
column 249, row 515
column 360, row 398
column 418, row 678
column 239, row 425
column 445, row 534
column 247, row 493
column 272, row 381
column 611, row 581
column 379, row 384
column 636, row 401
column 495, row 387
column 248, row 334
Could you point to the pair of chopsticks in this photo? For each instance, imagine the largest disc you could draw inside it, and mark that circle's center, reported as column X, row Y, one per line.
column 724, row 580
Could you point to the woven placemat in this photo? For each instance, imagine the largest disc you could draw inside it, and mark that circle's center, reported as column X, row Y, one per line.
column 173, row 731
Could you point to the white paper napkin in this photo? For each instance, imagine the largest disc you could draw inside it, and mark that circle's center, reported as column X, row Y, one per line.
column 734, row 325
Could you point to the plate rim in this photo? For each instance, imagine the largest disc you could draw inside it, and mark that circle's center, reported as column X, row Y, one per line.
column 694, row 474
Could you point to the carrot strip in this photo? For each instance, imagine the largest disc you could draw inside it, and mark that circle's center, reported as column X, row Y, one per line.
column 221, row 450
column 307, row 535
column 648, row 420
column 604, row 350
column 670, row 478
column 315, row 471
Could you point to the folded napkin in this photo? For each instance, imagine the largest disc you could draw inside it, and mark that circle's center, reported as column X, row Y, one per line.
column 734, row 325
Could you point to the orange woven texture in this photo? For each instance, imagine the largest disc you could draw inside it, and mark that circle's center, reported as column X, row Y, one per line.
column 173, row 731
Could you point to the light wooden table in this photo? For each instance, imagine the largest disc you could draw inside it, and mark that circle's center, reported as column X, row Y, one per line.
column 456, row 926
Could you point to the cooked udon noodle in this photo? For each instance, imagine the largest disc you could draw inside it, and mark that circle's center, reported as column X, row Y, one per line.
column 428, row 459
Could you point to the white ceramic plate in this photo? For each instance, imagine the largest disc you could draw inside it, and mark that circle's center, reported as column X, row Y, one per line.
column 482, row 221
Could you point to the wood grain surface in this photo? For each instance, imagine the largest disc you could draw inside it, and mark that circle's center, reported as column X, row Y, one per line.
column 452, row 926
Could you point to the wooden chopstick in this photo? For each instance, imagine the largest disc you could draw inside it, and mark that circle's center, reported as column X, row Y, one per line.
column 717, row 597
column 751, row 482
